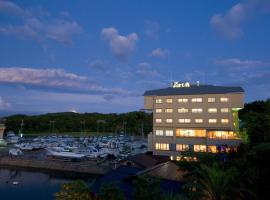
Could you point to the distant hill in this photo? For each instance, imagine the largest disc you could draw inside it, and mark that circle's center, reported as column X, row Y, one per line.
column 132, row 122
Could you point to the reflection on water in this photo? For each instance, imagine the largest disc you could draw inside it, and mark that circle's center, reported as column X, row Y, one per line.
column 31, row 185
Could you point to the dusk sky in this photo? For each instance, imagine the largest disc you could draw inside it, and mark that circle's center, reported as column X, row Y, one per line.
column 100, row 56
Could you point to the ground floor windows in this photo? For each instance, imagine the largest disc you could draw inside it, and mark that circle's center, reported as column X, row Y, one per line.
column 169, row 133
column 158, row 120
column 190, row 133
column 199, row 148
column 162, row 146
column 212, row 149
column 182, row 147
column 159, row 132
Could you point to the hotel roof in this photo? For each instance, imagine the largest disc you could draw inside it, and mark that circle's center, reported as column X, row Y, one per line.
column 194, row 89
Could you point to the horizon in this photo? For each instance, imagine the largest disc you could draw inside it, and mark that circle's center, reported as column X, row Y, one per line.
column 100, row 56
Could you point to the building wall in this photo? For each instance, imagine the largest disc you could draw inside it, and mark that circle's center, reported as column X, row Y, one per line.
column 235, row 102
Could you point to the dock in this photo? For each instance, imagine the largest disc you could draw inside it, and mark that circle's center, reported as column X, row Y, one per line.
column 84, row 167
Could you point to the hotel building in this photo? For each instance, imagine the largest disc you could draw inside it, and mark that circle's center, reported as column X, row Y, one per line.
column 199, row 118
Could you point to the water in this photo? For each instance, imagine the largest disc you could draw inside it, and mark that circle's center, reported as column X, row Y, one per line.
column 31, row 185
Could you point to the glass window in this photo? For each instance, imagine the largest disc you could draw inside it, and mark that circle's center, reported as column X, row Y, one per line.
column 159, row 132
column 224, row 99
column 162, row 146
column 212, row 149
column 182, row 100
column 190, row 133
column 169, row 110
column 222, row 134
column 212, row 121
column 168, row 100
column 224, row 110
column 158, row 110
column 224, row 121
column 212, row 110
column 182, row 147
column 184, row 121
column 158, row 100
column 197, row 110
column 199, row 148
column 196, row 100
column 169, row 120
column 169, row 133
column 182, row 110
column 158, row 120
column 198, row 121
column 211, row 100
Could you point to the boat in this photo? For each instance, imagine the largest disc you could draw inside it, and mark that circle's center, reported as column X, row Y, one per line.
column 15, row 152
column 65, row 154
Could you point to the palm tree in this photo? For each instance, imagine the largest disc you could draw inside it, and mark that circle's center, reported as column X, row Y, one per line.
column 211, row 183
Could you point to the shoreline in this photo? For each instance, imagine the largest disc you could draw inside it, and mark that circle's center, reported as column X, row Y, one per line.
column 81, row 168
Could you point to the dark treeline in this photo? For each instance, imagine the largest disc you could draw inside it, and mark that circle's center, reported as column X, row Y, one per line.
column 132, row 122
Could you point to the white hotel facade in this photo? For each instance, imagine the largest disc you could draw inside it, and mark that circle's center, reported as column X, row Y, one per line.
column 199, row 118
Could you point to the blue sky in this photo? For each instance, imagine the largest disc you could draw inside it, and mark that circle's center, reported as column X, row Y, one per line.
column 100, row 56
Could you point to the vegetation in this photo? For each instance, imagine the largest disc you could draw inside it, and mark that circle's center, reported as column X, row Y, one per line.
column 77, row 190
column 77, row 123
column 111, row 191
column 243, row 174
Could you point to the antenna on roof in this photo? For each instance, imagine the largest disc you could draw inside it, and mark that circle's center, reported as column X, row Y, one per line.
column 198, row 83
column 171, row 80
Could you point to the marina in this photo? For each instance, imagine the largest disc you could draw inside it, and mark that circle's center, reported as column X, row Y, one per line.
column 89, row 155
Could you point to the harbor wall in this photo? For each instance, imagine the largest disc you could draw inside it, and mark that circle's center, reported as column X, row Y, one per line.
column 90, row 168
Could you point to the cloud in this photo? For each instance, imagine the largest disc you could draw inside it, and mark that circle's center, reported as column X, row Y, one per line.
column 238, row 62
column 56, row 80
column 161, row 53
column 99, row 65
column 152, row 29
column 229, row 25
column 39, row 25
column 4, row 104
column 120, row 45
column 145, row 70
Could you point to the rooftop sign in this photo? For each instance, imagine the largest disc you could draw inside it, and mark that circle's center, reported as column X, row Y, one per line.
column 180, row 85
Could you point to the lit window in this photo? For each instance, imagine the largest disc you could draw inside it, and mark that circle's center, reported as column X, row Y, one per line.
column 168, row 100
column 182, row 110
column 158, row 120
column 182, row 100
column 158, row 110
column 212, row 110
column 159, row 132
column 224, row 99
column 224, row 121
column 198, row 121
column 184, row 121
column 169, row 133
column 190, row 133
column 158, row 100
column 196, row 100
column 169, row 120
column 211, row 100
column 178, row 158
column 212, row 121
column 212, row 149
column 199, row 148
column 162, row 146
column 182, row 147
column 224, row 110
column 222, row 134
column 169, row 110
column 197, row 110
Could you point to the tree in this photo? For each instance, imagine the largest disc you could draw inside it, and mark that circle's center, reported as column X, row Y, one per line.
column 76, row 190
column 211, row 183
column 109, row 191
column 147, row 188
